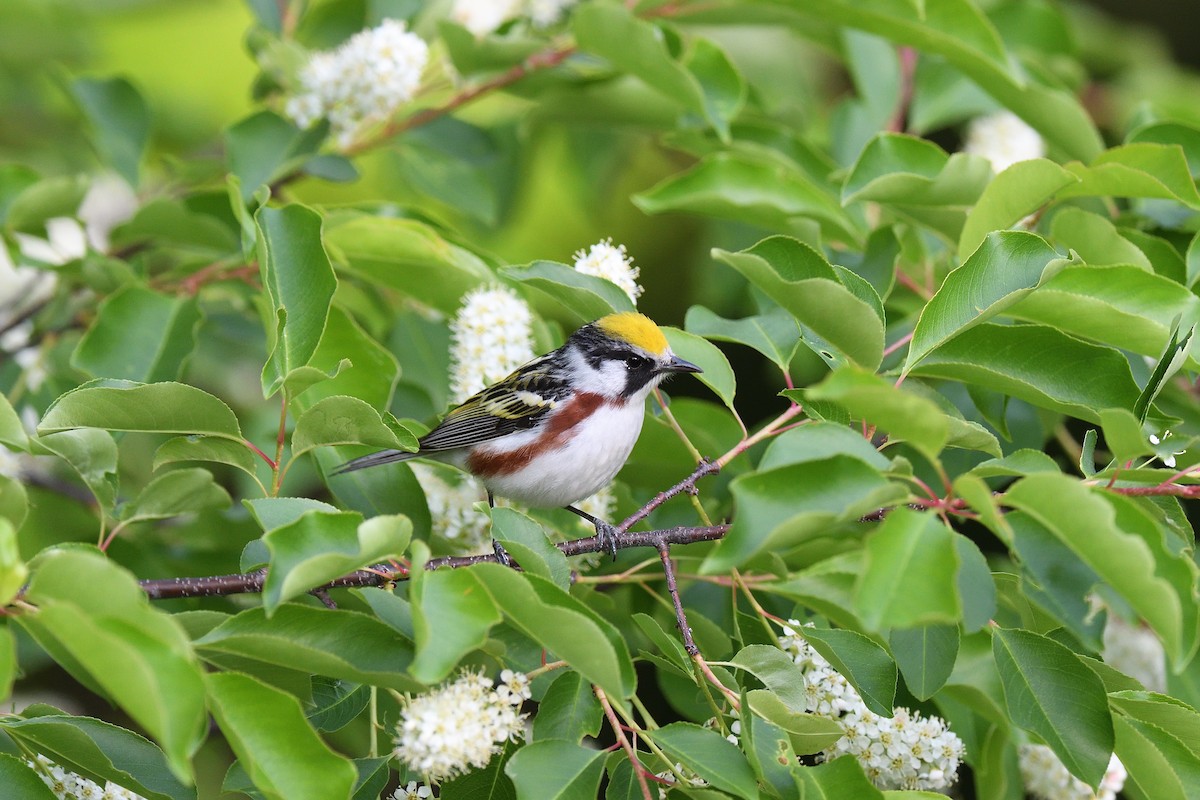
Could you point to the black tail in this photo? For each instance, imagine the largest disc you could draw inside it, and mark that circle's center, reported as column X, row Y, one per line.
column 374, row 460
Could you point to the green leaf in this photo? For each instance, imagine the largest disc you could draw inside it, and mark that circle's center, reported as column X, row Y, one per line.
column 267, row 731
column 1015, row 193
column 139, row 335
column 527, row 541
column 1048, row 691
column 299, row 281
column 275, row 512
column 909, row 575
column 205, row 448
column 8, row 661
column 264, row 147
column 586, row 297
column 150, row 408
column 472, row 54
column 319, row 546
column 1007, row 266
column 347, row 420
column 717, row 374
column 776, row 670
column 975, row 584
column 14, row 503
column 842, row 777
column 818, row 440
column 408, row 256
column 92, row 747
column 556, row 770
column 12, row 568
column 904, row 415
column 1169, row 362
column 105, row 632
column 451, row 616
column 1037, row 364
column 802, row 281
column 93, row 455
column 332, row 642
column 925, row 655
column 120, row 120
column 12, row 432
column 759, row 191
column 337, row 703
column 1141, row 169
column 562, row 625
column 177, row 492
column 1096, row 239
column 1159, row 764
column 38, row 201
column 709, row 755
column 864, row 663
column 774, row 333
column 807, row 733
column 371, row 375
column 1085, row 522
column 20, row 779
column 569, row 710
column 781, row 507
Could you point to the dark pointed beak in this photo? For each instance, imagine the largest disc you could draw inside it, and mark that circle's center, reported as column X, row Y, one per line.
column 677, row 364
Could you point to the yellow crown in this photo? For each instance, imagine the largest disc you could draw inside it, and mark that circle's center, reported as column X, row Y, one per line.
column 636, row 329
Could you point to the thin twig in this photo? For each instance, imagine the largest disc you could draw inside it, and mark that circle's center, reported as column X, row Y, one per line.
column 664, row 555
column 623, row 740
column 688, row 485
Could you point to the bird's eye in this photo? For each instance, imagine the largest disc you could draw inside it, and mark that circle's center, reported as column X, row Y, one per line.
column 634, row 361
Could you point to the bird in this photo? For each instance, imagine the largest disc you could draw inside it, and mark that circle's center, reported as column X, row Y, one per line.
column 559, row 428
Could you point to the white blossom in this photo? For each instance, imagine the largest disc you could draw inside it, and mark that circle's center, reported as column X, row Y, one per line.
column 413, row 791
column 905, row 751
column 481, row 17
column 1046, row 778
column 451, row 496
column 362, row 82
column 461, row 725
column 1136, row 651
column 109, row 202
column 491, row 335
column 66, row 785
column 1166, row 453
column 611, row 262
column 545, row 13
column 1003, row 138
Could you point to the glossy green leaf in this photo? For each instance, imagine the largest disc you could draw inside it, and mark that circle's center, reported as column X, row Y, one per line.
column 264, row 147
column 12, row 432
column 802, row 281
column 348, row 420
column 1096, row 239
column 93, row 747
column 20, row 779
column 780, row 507
column 1007, row 266
column 275, row 512
column 865, row 664
column 139, row 335
column 337, row 703
column 151, row 407
column 562, row 625
column 975, row 584
column 105, row 628
column 93, row 455
column 206, row 448
column 14, row 501
column 319, row 546
column 557, row 770
column 1158, row 763
column 299, row 281
column 1039, row 365
column 717, row 374
column 1015, row 193
column 807, row 733
column 176, row 492
column 12, row 567
column 776, row 670
column 451, row 616
column 1048, row 691
column 909, row 575
column 925, row 655
column 818, row 440
column 267, row 731
column 842, row 777
column 1169, row 362
column 120, row 120
column 39, row 200
column 408, row 256
column 332, row 642
column 754, row 190
column 1141, row 169
column 774, row 333
column 8, row 661
column 709, row 755
column 569, row 710
column 904, row 415
column 472, row 54
column 586, row 297
column 527, row 542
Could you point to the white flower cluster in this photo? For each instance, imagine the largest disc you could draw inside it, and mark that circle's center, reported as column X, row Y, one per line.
column 491, row 335
column 451, row 500
column 460, row 726
column 1003, row 138
column 362, row 82
column 413, row 791
column 481, row 17
column 1136, row 651
column 67, row 785
column 611, row 262
column 906, row 751
column 1046, row 778
column 667, row 779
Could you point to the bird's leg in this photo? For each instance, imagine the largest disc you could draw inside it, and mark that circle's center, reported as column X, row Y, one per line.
column 606, row 534
column 502, row 556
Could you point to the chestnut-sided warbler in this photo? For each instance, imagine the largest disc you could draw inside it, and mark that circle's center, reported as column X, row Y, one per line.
column 558, row 429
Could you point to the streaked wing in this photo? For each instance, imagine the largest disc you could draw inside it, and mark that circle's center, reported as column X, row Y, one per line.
column 514, row 404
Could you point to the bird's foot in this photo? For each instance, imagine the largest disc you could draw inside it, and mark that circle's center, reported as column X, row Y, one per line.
column 502, row 556
column 607, row 536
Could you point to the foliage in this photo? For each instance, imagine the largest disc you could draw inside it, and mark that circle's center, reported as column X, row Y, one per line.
column 947, row 416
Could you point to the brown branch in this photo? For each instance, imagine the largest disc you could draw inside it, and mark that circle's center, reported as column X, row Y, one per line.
column 383, row 574
column 638, row 770
column 687, row 485
column 685, row 630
